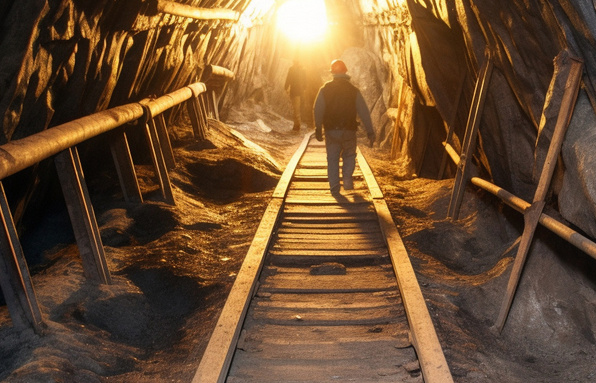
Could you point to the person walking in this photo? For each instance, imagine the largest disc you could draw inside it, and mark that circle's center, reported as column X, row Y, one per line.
column 295, row 86
column 336, row 108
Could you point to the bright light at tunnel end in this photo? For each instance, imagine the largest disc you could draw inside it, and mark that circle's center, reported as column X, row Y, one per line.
column 303, row 20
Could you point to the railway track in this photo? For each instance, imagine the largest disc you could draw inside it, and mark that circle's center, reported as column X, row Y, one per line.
column 326, row 292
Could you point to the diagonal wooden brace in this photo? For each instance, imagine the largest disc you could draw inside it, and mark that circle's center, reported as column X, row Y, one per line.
column 159, row 163
column 125, row 167
column 533, row 213
column 531, row 218
column 82, row 216
column 14, row 275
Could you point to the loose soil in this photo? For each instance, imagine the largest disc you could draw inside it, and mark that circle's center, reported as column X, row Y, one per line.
column 173, row 266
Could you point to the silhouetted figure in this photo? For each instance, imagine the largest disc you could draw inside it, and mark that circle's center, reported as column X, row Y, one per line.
column 336, row 108
column 295, row 85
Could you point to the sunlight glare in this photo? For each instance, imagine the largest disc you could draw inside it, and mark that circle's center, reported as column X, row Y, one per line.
column 303, row 20
column 255, row 10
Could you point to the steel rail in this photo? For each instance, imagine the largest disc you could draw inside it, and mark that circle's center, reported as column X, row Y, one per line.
column 520, row 205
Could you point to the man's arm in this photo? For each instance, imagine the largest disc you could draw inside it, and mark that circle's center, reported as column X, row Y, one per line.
column 364, row 115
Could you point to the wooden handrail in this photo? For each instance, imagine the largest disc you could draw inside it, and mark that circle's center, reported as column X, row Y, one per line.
column 196, row 13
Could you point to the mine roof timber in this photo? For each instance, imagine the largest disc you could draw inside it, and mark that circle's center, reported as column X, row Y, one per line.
column 195, row 12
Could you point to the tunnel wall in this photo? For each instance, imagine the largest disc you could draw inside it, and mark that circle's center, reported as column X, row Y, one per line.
column 65, row 59
column 434, row 49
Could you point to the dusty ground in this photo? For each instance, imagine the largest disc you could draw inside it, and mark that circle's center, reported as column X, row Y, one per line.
column 172, row 267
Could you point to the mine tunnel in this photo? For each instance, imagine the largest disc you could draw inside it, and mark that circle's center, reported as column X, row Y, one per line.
column 481, row 110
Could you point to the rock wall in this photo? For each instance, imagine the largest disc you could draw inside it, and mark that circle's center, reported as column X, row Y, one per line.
column 65, row 59
column 434, row 49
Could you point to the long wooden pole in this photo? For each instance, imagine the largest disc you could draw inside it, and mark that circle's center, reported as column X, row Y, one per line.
column 533, row 213
column 196, row 13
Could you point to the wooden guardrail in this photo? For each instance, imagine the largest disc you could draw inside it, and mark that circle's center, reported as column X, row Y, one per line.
column 60, row 143
column 567, row 76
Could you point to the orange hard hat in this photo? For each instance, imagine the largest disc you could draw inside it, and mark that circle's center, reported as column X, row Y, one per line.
column 338, row 67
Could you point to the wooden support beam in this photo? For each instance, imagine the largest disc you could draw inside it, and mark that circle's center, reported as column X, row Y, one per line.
column 82, row 216
column 532, row 215
column 196, row 112
column 196, row 13
column 213, row 104
column 125, row 167
column 159, row 163
column 15, row 280
column 193, row 108
column 463, row 174
column 164, row 140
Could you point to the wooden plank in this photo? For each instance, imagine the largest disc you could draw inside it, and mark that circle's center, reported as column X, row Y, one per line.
column 329, row 317
column 82, row 216
column 329, row 253
column 297, row 185
column 328, row 209
column 330, row 228
column 319, row 371
column 319, row 173
column 219, row 351
column 373, row 186
column 361, row 279
column 430, row 354
column 338, row 301
column 341, row 236
column 362, row 217
column 272, row 333
column 353, row 198
column 324, row 245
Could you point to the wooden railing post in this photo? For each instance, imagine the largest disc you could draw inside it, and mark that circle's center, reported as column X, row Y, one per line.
column 125, row 167
column 159, row 163
column 196, row 111
column 82, row 216
column 14, row 275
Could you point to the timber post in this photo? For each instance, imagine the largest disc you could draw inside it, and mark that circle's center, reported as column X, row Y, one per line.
column 15, row 279
column 125, row 167
column 82, row 216
column 216, row 79
column 196, row 111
